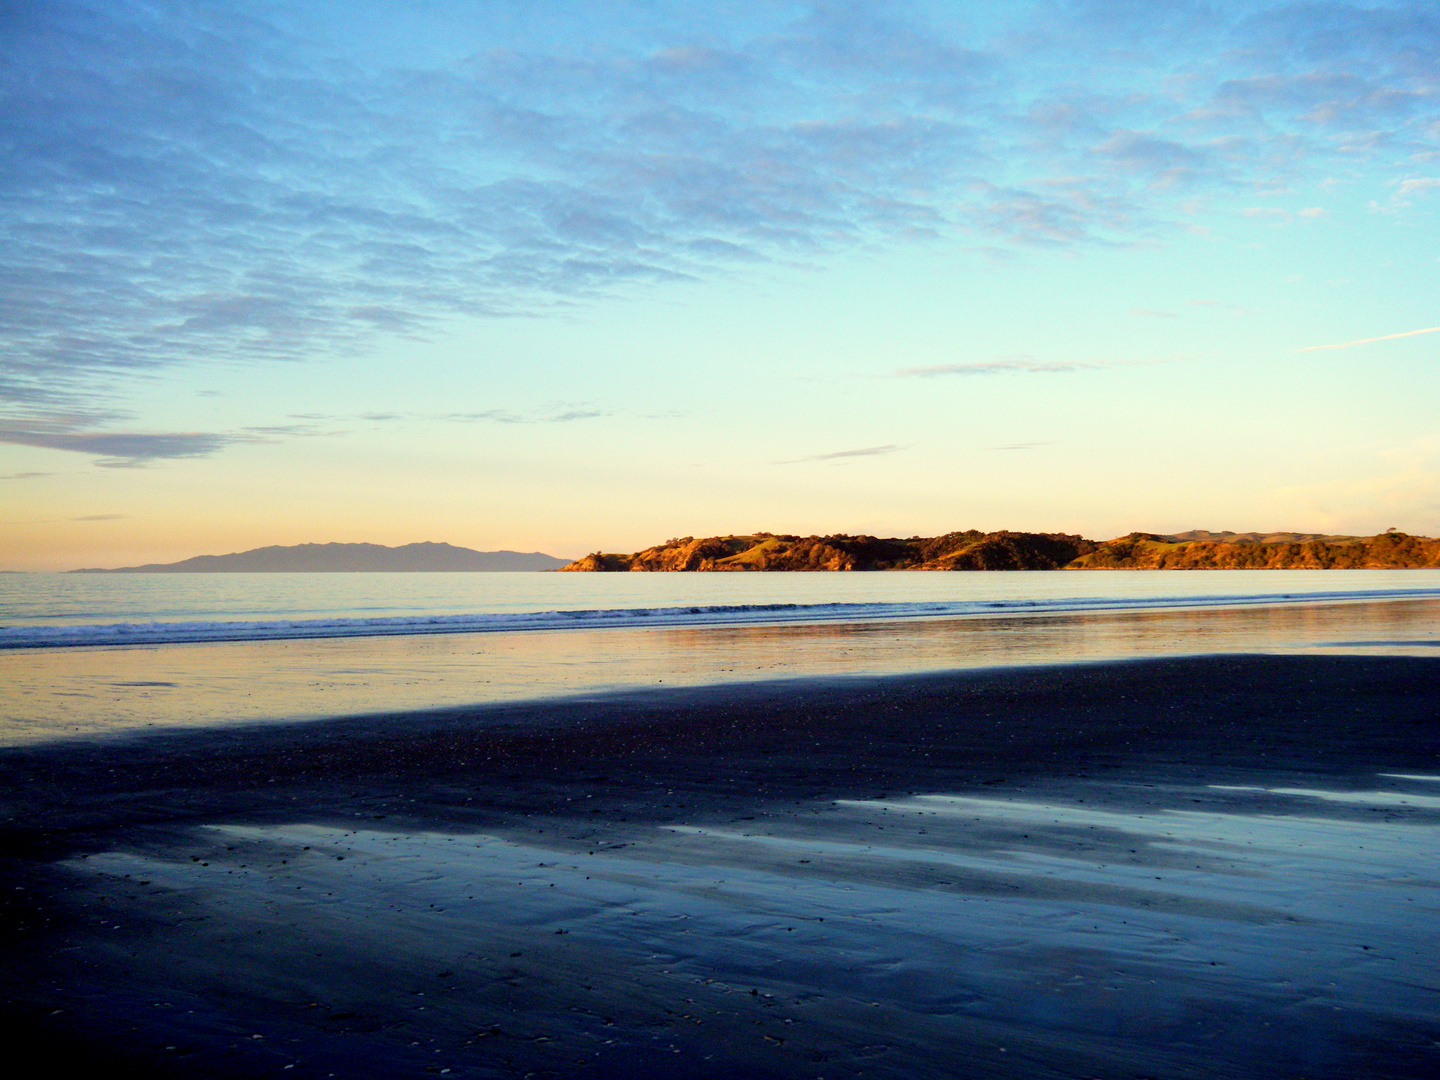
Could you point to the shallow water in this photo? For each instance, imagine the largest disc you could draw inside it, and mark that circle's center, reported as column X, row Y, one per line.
column 69, row 609
column 1272, row 934
column 48, row 693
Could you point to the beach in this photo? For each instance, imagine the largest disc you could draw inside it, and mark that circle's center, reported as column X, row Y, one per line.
column 1178, row 867
column 720, row 541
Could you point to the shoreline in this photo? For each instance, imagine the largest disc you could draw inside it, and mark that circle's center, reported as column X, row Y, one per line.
column 708, row 829
column 75, row 692
column 407, row 744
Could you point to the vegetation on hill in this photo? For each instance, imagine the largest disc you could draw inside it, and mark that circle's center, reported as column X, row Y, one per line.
column 1006, row 550
column 971, row 550
column 1148, row 551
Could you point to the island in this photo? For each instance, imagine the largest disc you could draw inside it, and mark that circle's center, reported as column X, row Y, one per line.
column 1198, row 549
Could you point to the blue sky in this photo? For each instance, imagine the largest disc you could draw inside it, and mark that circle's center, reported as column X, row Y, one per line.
column 579, row 276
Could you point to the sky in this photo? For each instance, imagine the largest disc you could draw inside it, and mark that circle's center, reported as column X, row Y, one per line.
column 587, row 276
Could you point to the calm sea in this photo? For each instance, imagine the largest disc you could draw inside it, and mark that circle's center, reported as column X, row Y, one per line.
column 88, row 654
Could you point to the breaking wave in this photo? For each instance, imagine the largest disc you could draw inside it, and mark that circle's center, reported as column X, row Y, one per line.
column 179, row 632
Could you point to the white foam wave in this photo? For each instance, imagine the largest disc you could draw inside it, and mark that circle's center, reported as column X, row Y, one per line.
column 178, row 631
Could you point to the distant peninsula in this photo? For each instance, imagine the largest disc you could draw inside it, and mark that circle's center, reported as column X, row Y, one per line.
column 1006, row 550
column 348, row 558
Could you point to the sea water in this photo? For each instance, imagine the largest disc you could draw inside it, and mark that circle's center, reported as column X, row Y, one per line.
column 86, row 609
column 94, row 654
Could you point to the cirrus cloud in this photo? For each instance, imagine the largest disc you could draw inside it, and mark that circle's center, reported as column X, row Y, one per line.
column 995, row 367
column 838, row 455
column 189, row 183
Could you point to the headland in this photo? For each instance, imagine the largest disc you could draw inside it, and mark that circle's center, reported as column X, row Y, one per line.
column 1007, row 550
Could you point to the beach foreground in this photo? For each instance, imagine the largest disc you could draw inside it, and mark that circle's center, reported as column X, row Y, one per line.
column 1205, row 867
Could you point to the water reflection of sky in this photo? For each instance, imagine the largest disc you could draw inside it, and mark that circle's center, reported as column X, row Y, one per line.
column 1272, row 922
column 70, row 599
column 45, row 693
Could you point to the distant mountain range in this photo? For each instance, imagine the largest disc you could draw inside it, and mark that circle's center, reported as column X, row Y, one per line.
column 347, row 558
column 1005, row 550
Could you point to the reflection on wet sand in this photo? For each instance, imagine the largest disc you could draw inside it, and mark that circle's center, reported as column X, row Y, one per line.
column 1265, row 937
column 1179, row 869
column 45, row 692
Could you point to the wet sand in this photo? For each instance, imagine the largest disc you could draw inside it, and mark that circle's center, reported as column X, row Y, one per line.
column 1206, row 867
column 57, row 693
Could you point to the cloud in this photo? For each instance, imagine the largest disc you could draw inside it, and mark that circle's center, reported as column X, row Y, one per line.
column 1278, row 217
column 252, row 183
column 1406, row 192
column 24, row 475
column 1418, row 184
column 1369, row 340
column 868, row 451
column 502, row 416
column 270, row 432
column 123, row 449
column 1066, row 214
column 101, row 517
column 574, row 414
column 1163, row 162
column 1019, row 446
column 995, row 367
column 320, row 424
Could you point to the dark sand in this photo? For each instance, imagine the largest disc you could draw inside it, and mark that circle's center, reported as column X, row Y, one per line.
column 1214, row 867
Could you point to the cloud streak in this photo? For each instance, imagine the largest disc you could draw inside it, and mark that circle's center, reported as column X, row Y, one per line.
column 503, row 416
column 123, row 449
column 867, row 451
column 1371, row 340
column 995, row 367
column 135, row 449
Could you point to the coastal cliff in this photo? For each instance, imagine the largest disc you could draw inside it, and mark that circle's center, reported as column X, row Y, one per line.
column 1006, row 550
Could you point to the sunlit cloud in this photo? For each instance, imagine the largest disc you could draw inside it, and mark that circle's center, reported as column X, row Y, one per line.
column 1408, row 189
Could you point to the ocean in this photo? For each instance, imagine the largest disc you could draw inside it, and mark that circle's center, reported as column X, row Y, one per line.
column 86, row 655
column 1215, row 866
